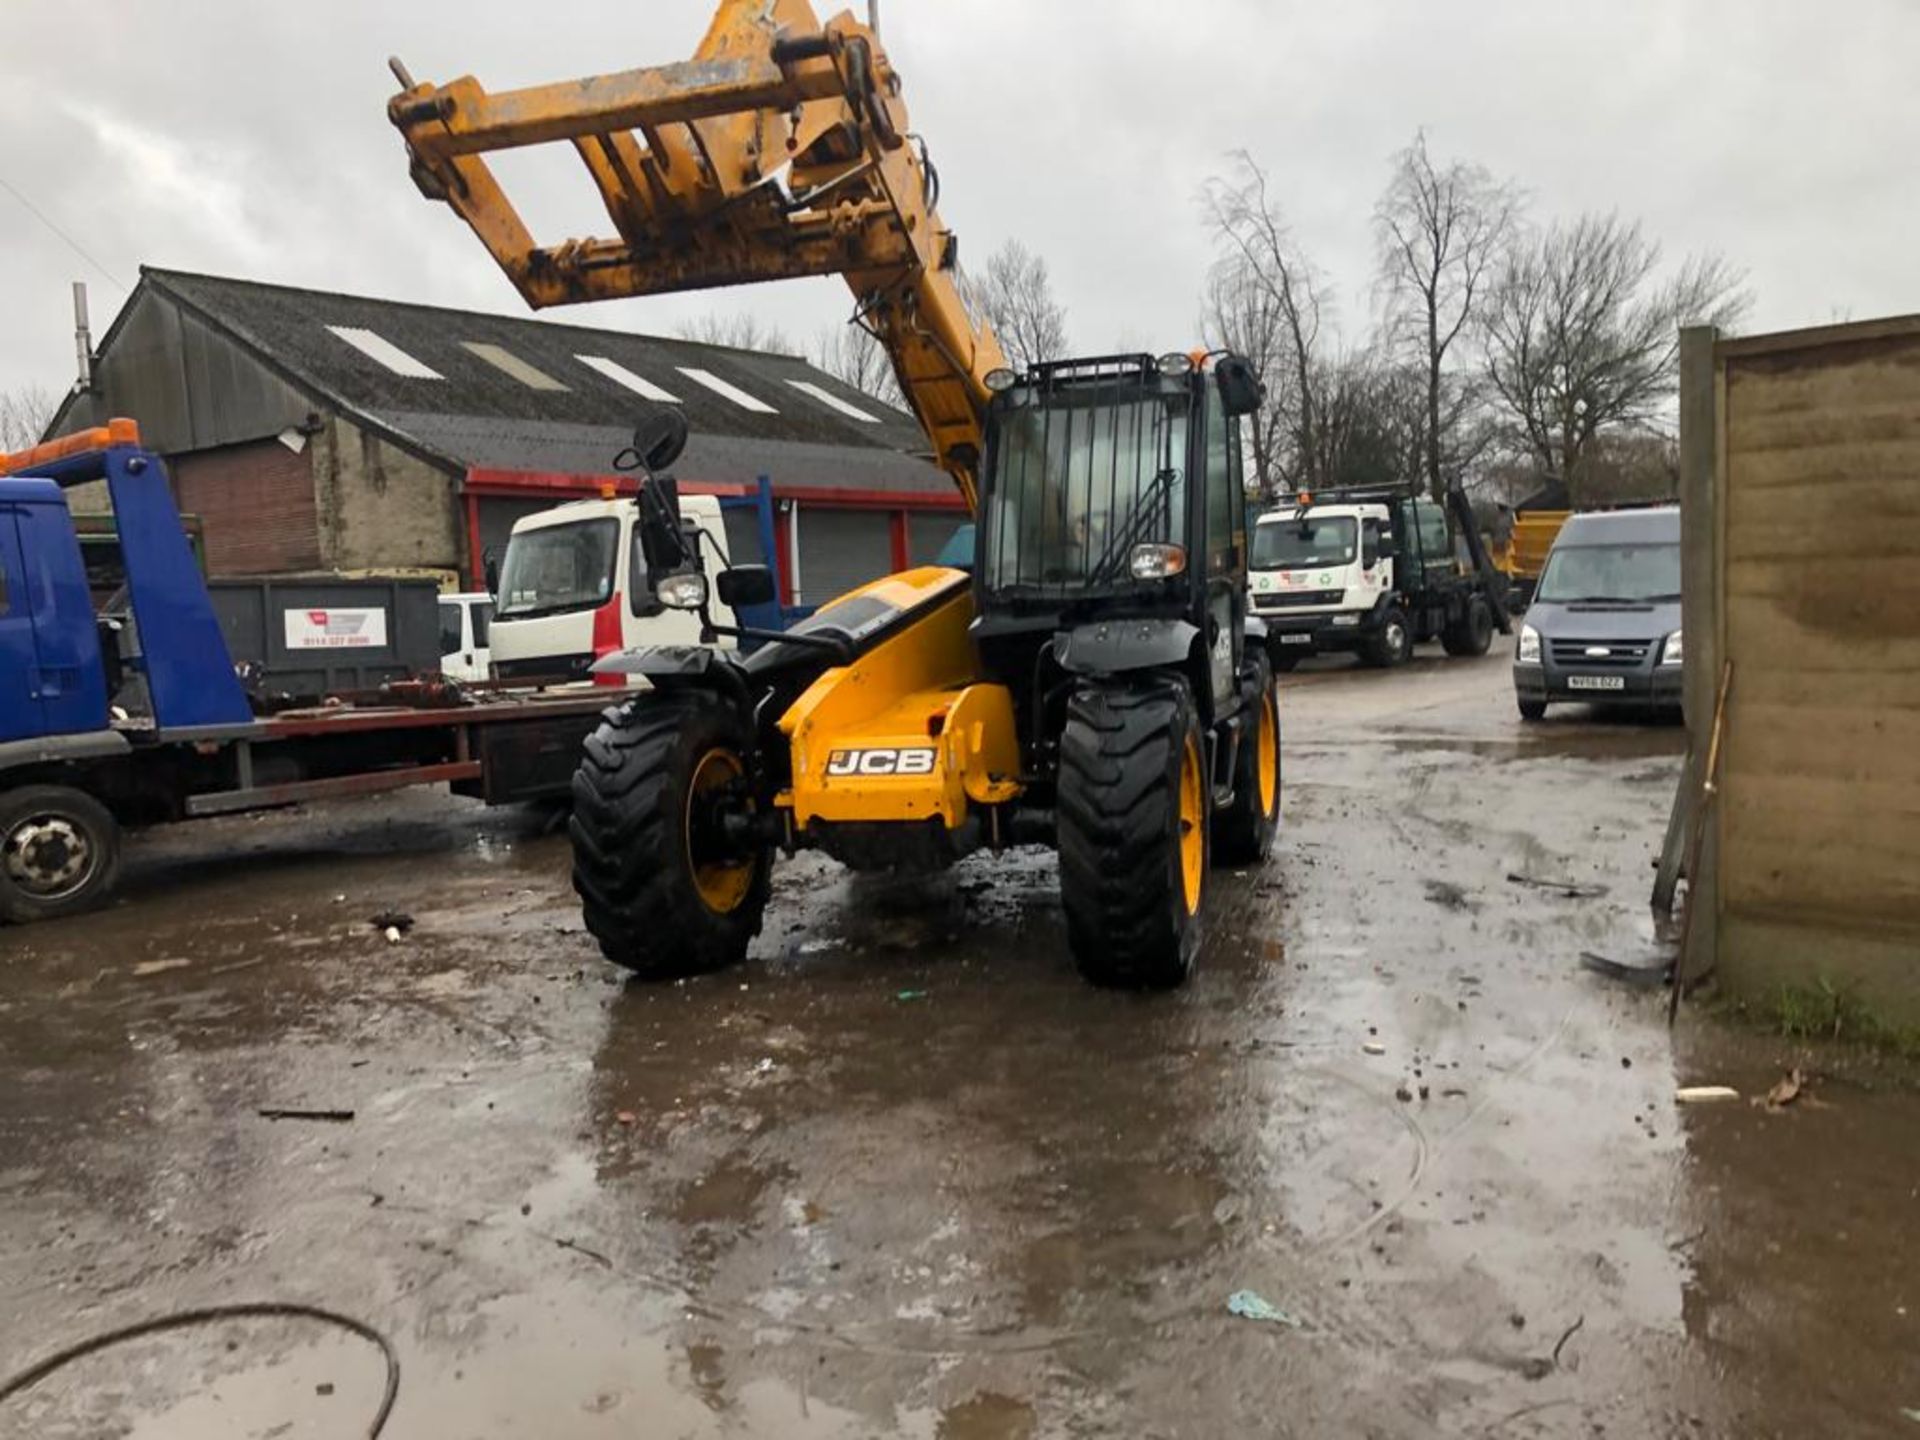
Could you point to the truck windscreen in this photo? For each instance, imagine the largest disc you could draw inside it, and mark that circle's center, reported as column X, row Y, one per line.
column 1304, row 544
column 558, row 568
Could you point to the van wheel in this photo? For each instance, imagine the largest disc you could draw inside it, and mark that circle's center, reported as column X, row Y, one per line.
column 1243, row 833
column 1393, row 645
column 1533, row 709
column 662, row 888
column 1472, row 634
column 59, row 853
column 1133, row 794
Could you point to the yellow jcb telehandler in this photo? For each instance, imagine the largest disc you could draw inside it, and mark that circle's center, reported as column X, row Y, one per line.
column 1095, row 683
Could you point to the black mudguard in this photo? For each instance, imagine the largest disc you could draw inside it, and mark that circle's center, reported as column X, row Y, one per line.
column 1114, row 647
column 684, row 667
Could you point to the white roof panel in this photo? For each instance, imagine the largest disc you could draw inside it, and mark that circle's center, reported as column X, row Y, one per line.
column 728, row 391
column 508, row 363
column 621, row 375
column 834, row 402
column 377, row 347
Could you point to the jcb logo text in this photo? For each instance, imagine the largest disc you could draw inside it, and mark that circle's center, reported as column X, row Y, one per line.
column 880, row 762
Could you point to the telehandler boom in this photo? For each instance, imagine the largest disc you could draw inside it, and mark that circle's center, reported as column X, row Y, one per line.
column 1095, row 684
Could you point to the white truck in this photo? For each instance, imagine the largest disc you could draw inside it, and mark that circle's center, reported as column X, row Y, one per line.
column 1373, row 572
column 574, row 587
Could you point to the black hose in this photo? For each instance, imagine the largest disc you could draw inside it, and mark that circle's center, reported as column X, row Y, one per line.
column 182, row 1319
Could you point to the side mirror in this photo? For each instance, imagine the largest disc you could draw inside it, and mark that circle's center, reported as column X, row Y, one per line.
column 1240, row 389
column 491, row 562
column 744, row 585
column 660, row 438
column 1388, row 549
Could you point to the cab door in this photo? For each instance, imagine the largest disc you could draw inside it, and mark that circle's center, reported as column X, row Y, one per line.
column 23, row 714
column 1226, row 551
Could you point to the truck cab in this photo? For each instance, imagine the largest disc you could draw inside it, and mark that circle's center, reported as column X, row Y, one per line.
column 1369, row 573
column 574, row 588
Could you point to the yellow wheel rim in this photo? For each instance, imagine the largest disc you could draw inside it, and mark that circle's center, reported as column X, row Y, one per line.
column 1268, row 756
column 1193, row 833
column 721, row 883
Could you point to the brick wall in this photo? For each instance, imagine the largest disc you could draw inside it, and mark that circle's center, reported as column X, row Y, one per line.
column 257, row 504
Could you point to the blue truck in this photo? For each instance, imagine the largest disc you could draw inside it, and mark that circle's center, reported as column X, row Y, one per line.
column 107, row 725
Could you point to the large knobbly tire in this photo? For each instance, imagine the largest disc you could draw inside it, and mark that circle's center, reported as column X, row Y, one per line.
column 1472, row 634
column 59, row 853
column 1393, row 644
column 1133, row 798
column 656, row 892
column 1243, row 832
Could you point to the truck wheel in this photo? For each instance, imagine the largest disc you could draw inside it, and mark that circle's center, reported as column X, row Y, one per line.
column 661, row 888
column 1283, row 660
column 1393, row 645
column 59, row 853
column 1243, row 833
column 1472, row 634
column 1533, row 709
column 1133, row 800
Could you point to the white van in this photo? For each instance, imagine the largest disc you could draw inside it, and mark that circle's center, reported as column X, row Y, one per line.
column 574, row 587
column 464, row 622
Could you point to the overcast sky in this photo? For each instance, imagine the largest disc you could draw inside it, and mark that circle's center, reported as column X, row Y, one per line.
column 249, row 138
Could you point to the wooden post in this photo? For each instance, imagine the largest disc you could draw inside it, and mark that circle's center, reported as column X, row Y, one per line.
column 1701, row 623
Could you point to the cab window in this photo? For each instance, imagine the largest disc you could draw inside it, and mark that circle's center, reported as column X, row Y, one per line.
column 1226, row 504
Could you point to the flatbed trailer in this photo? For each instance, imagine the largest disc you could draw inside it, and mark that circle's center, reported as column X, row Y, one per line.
column 75, row 771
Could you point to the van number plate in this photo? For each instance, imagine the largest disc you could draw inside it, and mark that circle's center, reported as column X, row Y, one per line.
column 1301, row 639
column 1596, row 682
column 914, row 761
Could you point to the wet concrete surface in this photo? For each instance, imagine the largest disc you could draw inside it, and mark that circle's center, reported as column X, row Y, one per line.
column 904, row 1174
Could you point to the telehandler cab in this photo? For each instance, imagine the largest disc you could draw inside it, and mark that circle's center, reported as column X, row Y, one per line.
column 1095, row 684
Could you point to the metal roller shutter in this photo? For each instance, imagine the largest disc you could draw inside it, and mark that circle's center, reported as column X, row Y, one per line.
column 841, row 549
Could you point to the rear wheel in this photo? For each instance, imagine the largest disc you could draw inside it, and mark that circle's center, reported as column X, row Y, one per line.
column 1472, row 633
column 59, row 853
column 1243, row 833
column 663, row 887
column 1133, row 802
column 1393, row 645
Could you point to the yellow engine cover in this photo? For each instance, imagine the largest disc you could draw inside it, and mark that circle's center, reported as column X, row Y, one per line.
column 907, row 731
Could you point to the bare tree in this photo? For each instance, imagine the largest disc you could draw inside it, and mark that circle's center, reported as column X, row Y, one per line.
column 1240, row 315
column 1582, row 337
column 1442, row 231
column 854, row 356
column 1267, row 281
column 1014, row 294
column 740, row 329
column 25, row 412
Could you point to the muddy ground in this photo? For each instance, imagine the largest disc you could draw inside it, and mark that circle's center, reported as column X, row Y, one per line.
column 905, row 1174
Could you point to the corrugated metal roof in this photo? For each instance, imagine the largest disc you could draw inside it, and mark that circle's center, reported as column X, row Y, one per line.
column 481, row 415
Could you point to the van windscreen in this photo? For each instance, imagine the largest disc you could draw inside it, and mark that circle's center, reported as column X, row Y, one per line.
column 1642, row 574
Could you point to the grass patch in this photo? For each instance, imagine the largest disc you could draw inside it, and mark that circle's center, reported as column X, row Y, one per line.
column 1834, row 1012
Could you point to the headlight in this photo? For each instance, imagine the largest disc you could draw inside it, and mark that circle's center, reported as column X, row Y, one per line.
column 1173, row 365
column 1157, row 562
column 682, row 592
column 1529, row 651
column 1001, row 380
column 1670, row 652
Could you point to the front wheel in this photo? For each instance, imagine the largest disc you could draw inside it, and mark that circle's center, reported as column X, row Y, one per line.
column 664, row 887
column 1243, row 832
column 1133, row 800
column 59, row 853
column 1394, row 643
column 1533, row 709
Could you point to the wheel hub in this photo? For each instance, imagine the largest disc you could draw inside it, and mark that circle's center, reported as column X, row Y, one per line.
column 47, row 856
